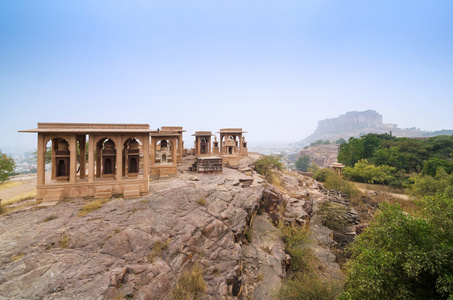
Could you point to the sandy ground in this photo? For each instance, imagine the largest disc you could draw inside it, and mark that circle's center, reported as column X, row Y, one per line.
column 28, row 185
column 400, row 196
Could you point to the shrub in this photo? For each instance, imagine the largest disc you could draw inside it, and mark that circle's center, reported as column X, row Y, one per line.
column 266, row 164
column 335, row 182
column 309, row 287
column 313, row 168
column 330, row 214
column 321, row 174
column 249, row 235
column 403, row 256
column 191, row 285
column 295, row 239
column 425, row 185
column 305, row 282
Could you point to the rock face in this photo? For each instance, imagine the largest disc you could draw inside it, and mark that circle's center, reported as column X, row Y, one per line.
column 137, row 248
column 352, row 121
column 107, row 252
column 356, row 123
column 322, row 155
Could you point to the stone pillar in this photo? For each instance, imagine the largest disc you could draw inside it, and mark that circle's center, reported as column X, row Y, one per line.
column 72, row 158
column 146, row 154
column 173, row 152
column 240, row 144
column 91, row 145
column 153, row 152
column 209, row 146
column 180, row 148
column 198, row 146
column 119, row 157
column 83, row 155
column 53, row 171
column 98, row 158
column 41, row 168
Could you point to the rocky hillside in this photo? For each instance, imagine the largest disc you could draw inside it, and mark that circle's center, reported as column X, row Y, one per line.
column 322, row 155
column 138, row 248
column 357, row 123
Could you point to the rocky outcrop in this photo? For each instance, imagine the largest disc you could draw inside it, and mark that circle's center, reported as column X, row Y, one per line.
column 137, row 248
column 322, row 155
column 357, row 123
column 108, row 252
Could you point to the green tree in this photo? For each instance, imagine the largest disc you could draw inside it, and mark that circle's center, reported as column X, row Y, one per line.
column 432, row 164
column 266, row 164
column 47, row 155
column 425, row 185
column 351, row 152
column 340, row 141
column 363, row 171
column 7, row 165
column 320, row 142
column 302, row 163
column 391, row 157
column 403, row 256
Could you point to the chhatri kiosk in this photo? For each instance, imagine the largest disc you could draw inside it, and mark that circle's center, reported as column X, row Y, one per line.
column 101, row 160
column 232, row 145
column 118, row 160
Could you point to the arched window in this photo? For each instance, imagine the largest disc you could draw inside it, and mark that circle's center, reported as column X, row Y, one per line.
column 108, row 168
column 203, row 144
column 133, row 166
column 61, row 169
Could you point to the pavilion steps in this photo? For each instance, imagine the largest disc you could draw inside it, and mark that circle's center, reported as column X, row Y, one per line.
column 131, row 191
column 103, row 192
column 53, row 195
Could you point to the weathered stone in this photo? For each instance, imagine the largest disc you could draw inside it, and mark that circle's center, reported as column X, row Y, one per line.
column 138, row 247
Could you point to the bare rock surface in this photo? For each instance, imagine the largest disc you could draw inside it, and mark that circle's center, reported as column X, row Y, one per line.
column 137, row 248
column 321, row 155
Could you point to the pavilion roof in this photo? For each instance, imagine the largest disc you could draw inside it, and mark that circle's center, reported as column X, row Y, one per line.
column 90, row 128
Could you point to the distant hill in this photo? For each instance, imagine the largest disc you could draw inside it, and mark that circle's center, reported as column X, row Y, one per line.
column 358, row 123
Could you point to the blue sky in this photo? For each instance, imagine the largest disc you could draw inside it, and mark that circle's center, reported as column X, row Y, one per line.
column 274, row 68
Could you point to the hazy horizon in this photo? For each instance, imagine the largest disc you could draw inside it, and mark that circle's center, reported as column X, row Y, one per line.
column 272, row 68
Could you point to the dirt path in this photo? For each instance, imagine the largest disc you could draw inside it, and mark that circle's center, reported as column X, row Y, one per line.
column 400, row 196
column 28, row 185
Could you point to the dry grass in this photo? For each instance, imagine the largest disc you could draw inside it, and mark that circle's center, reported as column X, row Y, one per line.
column 17, row 257
column 92, row 205
column 191, row 285
column 19, row 198
column 64, row 241
column 383, row 194
column 378, row 187
column 202, row 201
column 50, row 218
column 10, row 184
column 156, row 250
